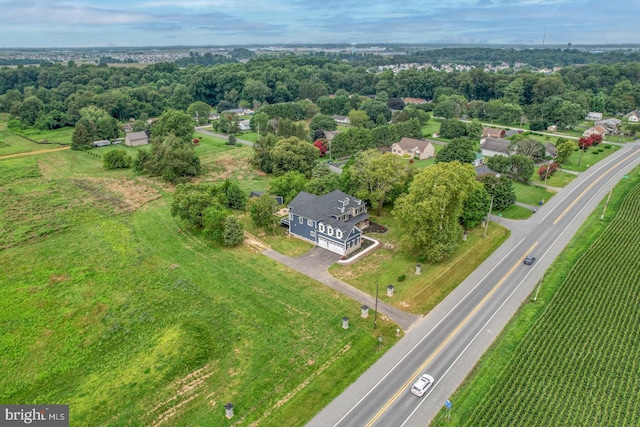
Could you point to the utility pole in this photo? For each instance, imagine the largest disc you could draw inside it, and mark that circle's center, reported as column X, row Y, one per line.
column 375, row 312
column 486, row 226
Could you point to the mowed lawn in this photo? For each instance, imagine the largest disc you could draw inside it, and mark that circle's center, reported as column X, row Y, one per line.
column 571, row 356
column 116, row 309
column 417, row 293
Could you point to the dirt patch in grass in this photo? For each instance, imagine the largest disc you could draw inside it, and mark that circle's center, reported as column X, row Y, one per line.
column 124, row 195
column 228, row 166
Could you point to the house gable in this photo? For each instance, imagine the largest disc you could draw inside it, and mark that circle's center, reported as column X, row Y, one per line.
column 135, row 139
column 413, row 147
column 493, row 132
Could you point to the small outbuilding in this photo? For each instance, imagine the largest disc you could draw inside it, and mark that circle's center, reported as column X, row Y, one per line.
column 135, row 139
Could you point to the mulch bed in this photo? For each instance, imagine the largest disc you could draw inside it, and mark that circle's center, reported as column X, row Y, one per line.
column 376, row 228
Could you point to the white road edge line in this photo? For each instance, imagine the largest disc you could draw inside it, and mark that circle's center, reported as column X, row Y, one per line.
column 428, row 333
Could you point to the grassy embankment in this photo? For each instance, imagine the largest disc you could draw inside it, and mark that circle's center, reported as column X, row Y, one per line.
column 569, row 356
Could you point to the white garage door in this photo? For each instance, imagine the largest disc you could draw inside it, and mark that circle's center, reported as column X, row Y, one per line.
column 333, row 247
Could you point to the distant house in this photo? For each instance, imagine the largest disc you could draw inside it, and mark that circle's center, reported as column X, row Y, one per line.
column 236, row 111
column 409, row 100
column 330, row 134
column 343, row 120
column 214, row 116
column 610, row 125
column 512, row 132
column 552, row 128
column 134, row 139
column 483, row 170
column 550, row 150
column 493, row 132
column 494, row 146
column 593, row 116
column 334, row 221
column 127, row 127
column 413, row 147
column 632, row 117
column 594, row 130
column 101, row 143
column 244, row 125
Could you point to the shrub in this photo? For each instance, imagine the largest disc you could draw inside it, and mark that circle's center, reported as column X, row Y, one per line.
column 117, row 159
column 232, row 140
column 402, row 278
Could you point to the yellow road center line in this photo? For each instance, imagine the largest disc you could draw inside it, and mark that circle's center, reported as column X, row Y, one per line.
column 446, row 341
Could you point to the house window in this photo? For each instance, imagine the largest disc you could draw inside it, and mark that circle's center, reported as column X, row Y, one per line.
column 321, row 228
column 300, row 220
column 330, row 231
column 310, row 223
column 313, row 234
column 339, row 234
column 290, row 216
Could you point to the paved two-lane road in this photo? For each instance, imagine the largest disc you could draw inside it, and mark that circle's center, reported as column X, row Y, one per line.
column 449, row 341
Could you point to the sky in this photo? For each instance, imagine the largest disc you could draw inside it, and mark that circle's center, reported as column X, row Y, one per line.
column 93, row 23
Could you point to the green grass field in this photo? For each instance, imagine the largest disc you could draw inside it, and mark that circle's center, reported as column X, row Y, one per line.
column 131, row 319
column 591, row 156
column 559, row 179
column 514, row 212
column 570, row 358
column 531, row 194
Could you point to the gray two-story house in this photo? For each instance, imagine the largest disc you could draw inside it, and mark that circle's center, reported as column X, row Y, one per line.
column 333, row 221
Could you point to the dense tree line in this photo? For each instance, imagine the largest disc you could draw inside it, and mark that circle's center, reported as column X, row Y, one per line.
column 52, row 95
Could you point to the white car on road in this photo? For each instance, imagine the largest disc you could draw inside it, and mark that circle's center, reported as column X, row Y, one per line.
column 421, row 386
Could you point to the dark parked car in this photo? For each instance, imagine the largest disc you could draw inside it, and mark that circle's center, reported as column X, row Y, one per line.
column 529, row 260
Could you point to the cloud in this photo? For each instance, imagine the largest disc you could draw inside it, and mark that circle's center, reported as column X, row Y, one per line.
column 39, row 22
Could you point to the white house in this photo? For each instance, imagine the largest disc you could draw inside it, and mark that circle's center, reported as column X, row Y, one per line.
column 593, row 116
column 413, row 147
column 343, row 120
column 632, row 117
column 494, row 146
column 244, row 125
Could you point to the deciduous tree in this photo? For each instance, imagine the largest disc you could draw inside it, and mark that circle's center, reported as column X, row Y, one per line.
column 173, row 122
column 375, row 177
column 459, row 150
column 262, row 211
column 429, row 214
column 293, row 154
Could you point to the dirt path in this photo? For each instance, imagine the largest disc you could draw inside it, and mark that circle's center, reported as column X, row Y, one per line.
column 31, row 153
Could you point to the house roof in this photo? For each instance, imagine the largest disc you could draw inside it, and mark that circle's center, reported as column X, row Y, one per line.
column 609, row 122
column 411, row 143
column 595, row 115
column 495, row 144
column 330, row 134
column 551, row 149
column 512, row 132
column 632, row 113
column 600, row 129
column 137, row 135
column 321, row 209
column 493, row 131
column 339, row 118
column 409, row 100
column 484, row 170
